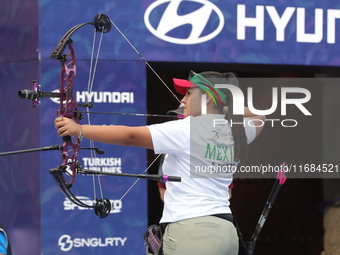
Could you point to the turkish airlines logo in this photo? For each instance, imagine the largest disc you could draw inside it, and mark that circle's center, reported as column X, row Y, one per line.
column 171, row 24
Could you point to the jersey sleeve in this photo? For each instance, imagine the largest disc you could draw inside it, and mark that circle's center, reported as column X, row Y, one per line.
column 170, row 137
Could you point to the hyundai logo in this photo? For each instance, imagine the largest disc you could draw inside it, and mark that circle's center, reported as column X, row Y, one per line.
column 184, row 21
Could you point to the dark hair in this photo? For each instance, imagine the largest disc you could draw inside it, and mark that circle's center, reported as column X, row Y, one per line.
column 238, row 131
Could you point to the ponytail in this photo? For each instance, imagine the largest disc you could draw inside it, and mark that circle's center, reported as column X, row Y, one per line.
column 238, row 131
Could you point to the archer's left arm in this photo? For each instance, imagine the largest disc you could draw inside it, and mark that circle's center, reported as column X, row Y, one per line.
column 118, row 135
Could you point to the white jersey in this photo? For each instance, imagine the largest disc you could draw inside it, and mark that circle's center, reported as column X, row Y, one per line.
column 196, row 149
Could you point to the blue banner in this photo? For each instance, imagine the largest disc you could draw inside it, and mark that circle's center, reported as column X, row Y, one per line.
column 42, row 220
column 247, row 31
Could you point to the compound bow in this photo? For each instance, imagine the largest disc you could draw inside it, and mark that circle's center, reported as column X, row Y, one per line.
column 65, row 174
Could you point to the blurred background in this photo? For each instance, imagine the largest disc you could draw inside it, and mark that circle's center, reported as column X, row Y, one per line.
column 285, row 44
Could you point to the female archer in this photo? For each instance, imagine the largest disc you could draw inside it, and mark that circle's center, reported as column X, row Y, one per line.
column 204, row 149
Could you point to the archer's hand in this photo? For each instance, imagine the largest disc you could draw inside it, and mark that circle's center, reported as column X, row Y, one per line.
column 66, row 126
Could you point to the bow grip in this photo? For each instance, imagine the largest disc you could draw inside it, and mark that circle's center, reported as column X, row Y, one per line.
column 67, row 139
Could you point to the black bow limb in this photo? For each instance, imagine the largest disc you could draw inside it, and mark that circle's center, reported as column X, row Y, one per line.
column 102, row 208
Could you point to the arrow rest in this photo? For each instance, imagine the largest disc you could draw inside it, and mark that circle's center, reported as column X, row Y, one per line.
column 102, row 23
column 87, row 105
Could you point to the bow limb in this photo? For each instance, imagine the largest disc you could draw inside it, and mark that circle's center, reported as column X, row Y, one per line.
column 102, row 206
column 101, row 23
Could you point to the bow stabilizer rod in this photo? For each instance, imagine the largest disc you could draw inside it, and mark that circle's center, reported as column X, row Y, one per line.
column 152, row 177
column 48, row 148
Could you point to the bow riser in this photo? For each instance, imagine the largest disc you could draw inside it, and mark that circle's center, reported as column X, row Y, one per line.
column 68, row 108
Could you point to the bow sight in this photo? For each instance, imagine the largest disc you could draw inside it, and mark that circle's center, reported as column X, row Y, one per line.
column 36, row 94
